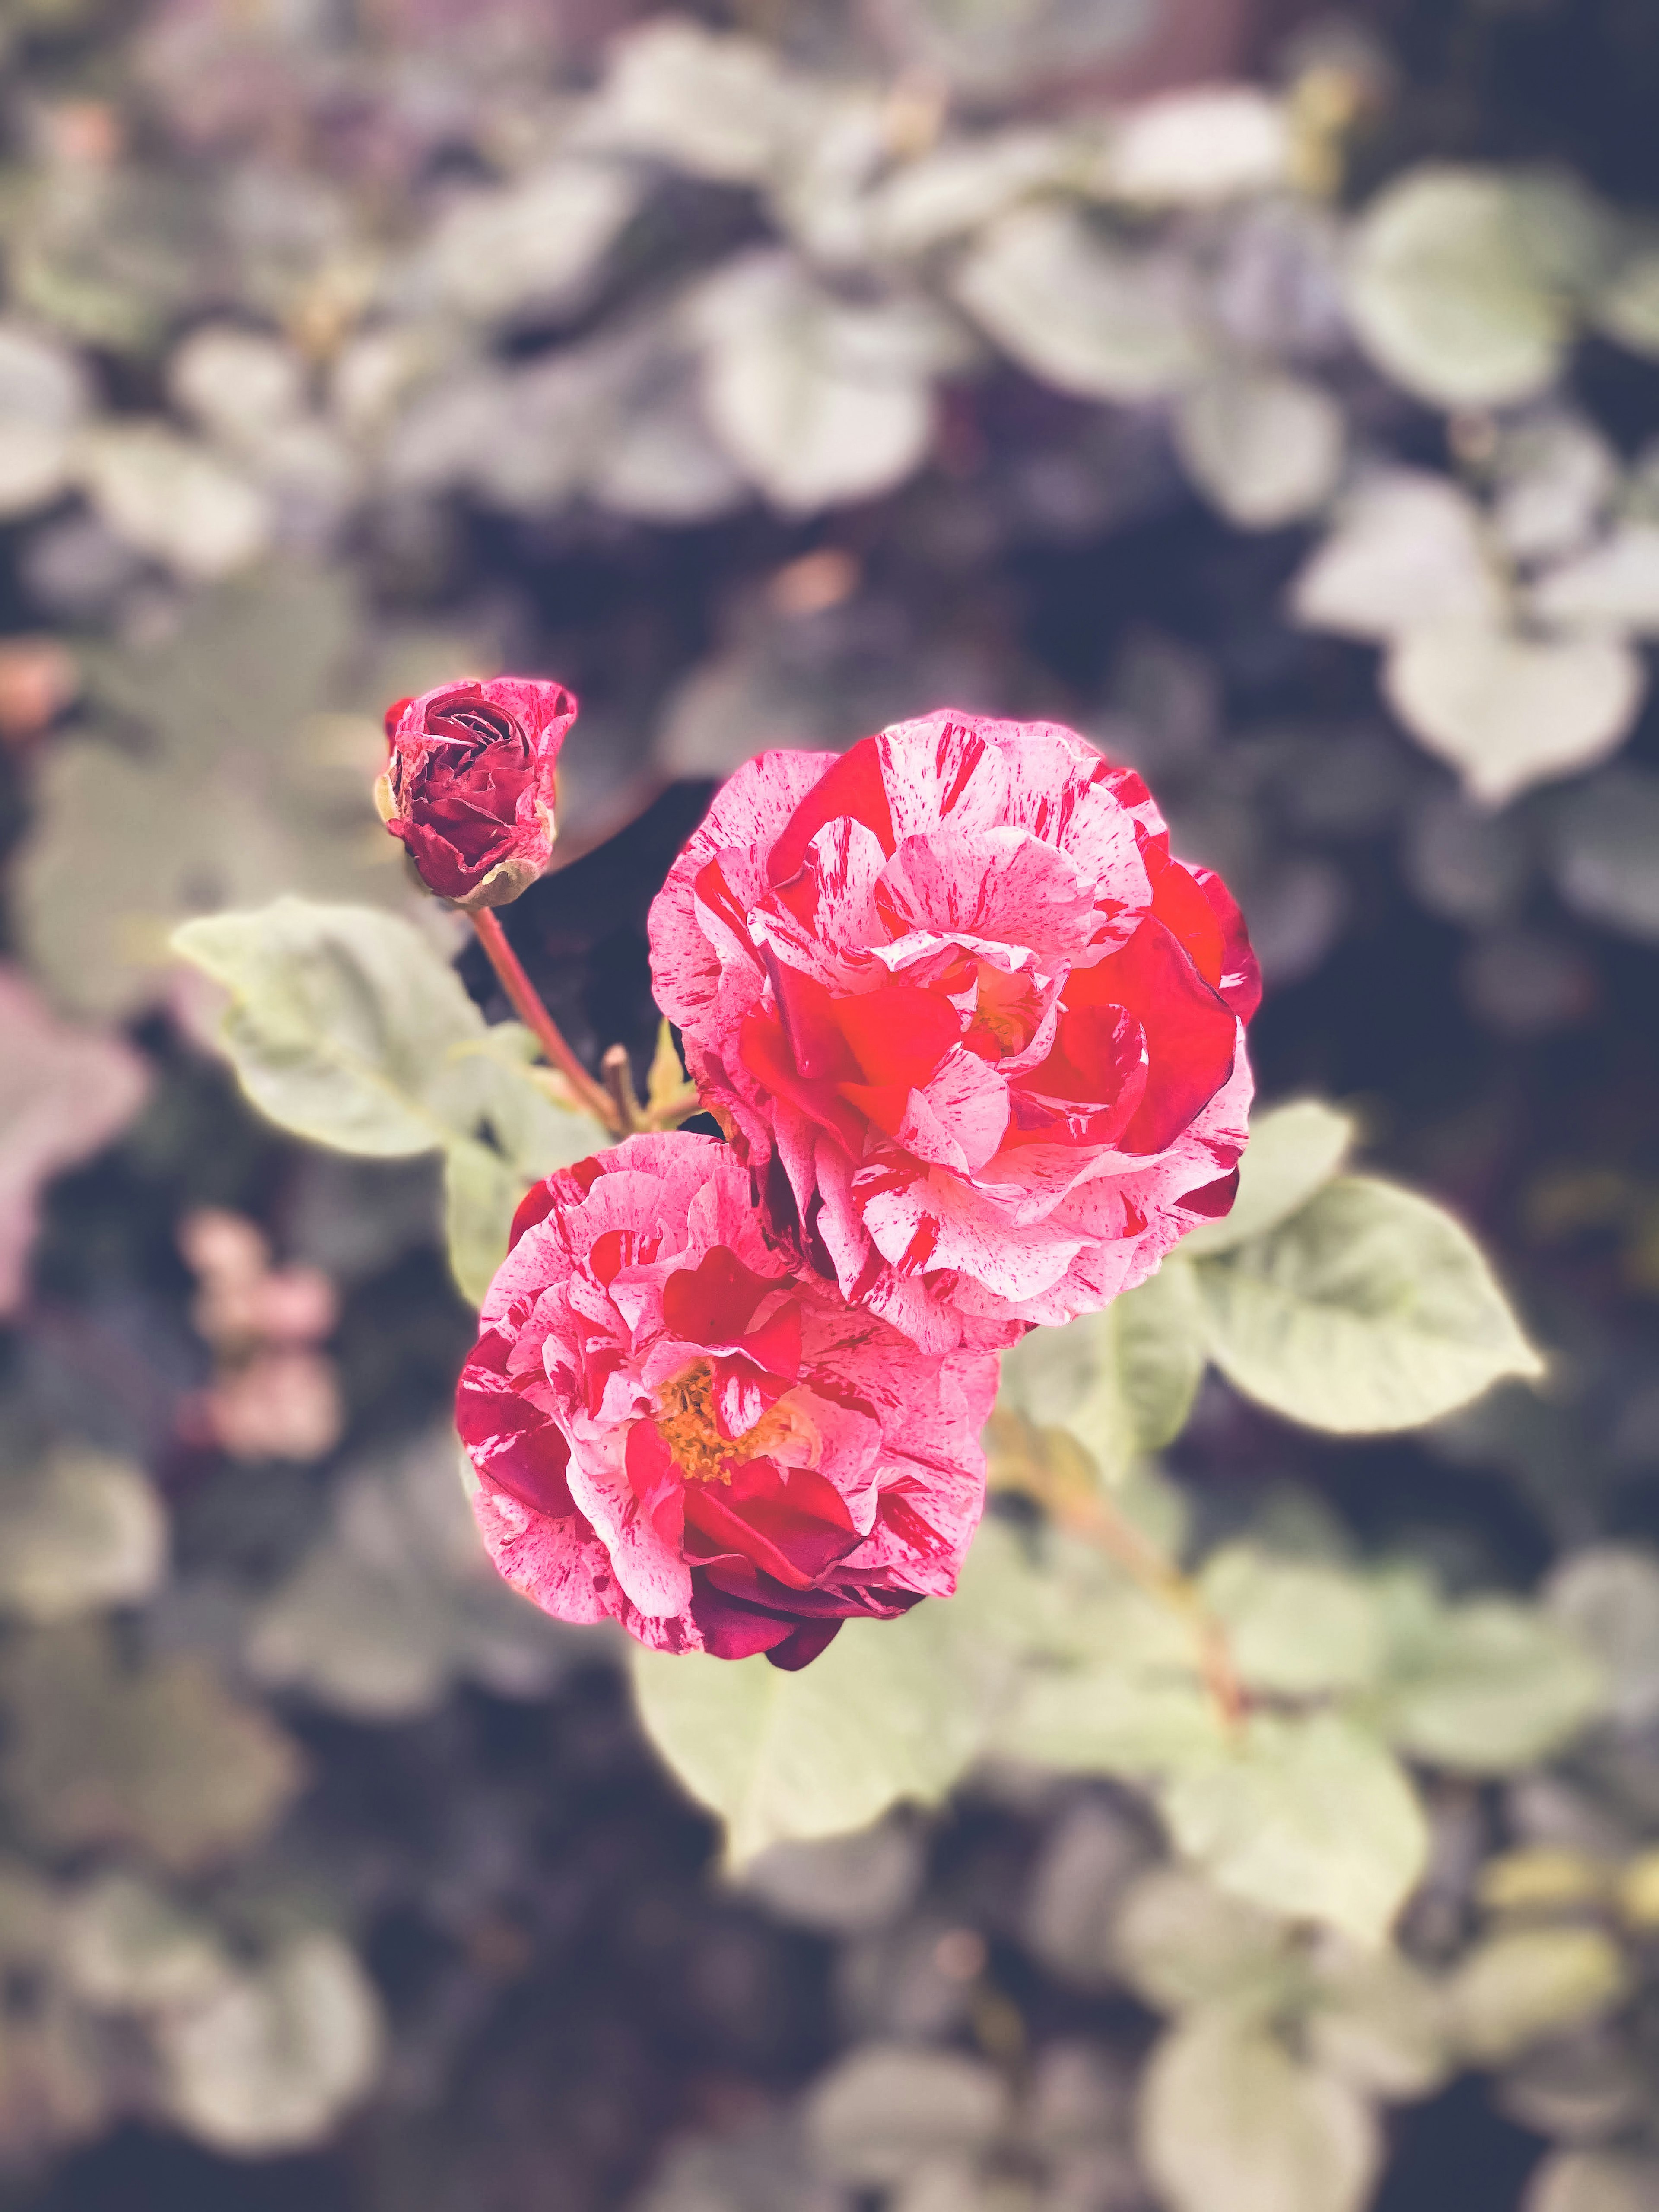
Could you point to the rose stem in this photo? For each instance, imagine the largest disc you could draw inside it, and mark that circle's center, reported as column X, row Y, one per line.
column 521, row 992
column 618, row 1079
column 1097, row 1519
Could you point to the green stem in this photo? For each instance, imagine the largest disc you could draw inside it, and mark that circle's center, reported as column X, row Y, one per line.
column 522, row 994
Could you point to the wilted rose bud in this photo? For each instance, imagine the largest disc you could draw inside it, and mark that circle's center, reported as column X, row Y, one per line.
column 469, row 787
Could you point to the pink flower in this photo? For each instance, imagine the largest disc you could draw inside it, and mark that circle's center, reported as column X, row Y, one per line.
column 673, row 1430
column 979, row 1037
column 469, row 787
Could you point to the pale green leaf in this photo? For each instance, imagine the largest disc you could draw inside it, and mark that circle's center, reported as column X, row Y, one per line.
column 1265, row 448
column 1370, row 1309
column 77, row 1532
column 962, row 183
column 1293, row 1150
column 819, row 400
column 1594, row 2181
column 1627, row 307
column 1615, row 586
column 991, row 53
column 1526, row 1983
column 1508, row 711
column 1294, row 1628
column 714, row 105
column 128, row 1946
column 1082, row 312
column 1309, row 1816
column 1449, row 293
column 1407, row 548
column 1378, row 2020
column 888, row 2109
column 172, row 498
column 1229, row 2119
column 537, row 245
column 43, row 396
column 1604, row 851
column 1488, row 1686
column 1197, row 146
column 272, row 2058
column 892, row 1711
column 1122, row 1380
column 344, row 1025
column 1110, row 1717
column 482, row 1193
column 1181, row 1942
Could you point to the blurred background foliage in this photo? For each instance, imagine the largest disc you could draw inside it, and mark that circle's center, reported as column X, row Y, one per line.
column 1267, row 391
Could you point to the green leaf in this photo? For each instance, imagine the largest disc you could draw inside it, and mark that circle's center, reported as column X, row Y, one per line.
column 1508, row 711
column 1627, row 307
column 892, row 1711
column 1293, row 1150
column 1594, row 2181
column 271, row 2060
column 715, row 105
column 1082, row 312
column 1122, row 1380
column 1407, row 549
column 161, row 1756
column 173, row 498
column 1524, row 1984
column 888, row 2109
column 1604, row 838
column 1310, row 1817
column 1181, row 1942
column 1295, row 1627
column 1265, row 448
column 537, row 245
column 1485, row 1687
column 1228, row 2118
column 1449, row 293
column 482, row 1192
column 344, row 1024
column 129, row 1947
column 1613, row 588
column 43, row 398
column 1378, row 2021
column 1369, row 1309
column 78, row 1532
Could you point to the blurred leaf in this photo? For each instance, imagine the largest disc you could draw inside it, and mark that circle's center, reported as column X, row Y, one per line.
column 1453, row 293
column 1522, row 1985
column 1293, row 1150
column 1607, row 1597
column 482, row 1193
column 1009, row 46
column 1229, row 2117
column 1508, row 711
column 959, row 186
column 235, row 796
column 892, row 1711
column 819, row 400
column 536, row 245
column 715, row 105
column 1295, row 1627
column 1378, row 2021
column 129, row 1947
column 1554, row 475
column 1122, row 1380
column 396, row 1599
column 160, row 1756
column 172, row 499
column 1081, row 311
column 889, row 2109
column 271, row 2060
column 1267, row 449
column 1197, row 146
column 64, row 1092
column 1487, row 1686
column 1613, row 588
column 1592, row 2181
column 43, row 398
column 1369, row 1309
column 1407, row 550
column 78, row 1531
column 1182, row 1943
column 1310, row 1817
column 1604, row 851
column 1627, row 306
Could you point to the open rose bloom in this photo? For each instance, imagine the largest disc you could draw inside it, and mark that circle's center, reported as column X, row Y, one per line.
column 469, row 787
column 674, row 1431
column 979, row 1036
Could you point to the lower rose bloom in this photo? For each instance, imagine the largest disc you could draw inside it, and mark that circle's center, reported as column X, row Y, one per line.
column 673, row 1430
column 978, row 1036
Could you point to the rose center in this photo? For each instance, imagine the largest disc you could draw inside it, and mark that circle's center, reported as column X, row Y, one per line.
column 686, row 1423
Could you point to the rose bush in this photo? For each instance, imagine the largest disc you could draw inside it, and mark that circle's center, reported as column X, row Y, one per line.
column 979, row 1037
column 672, row 1429
column 469, row 787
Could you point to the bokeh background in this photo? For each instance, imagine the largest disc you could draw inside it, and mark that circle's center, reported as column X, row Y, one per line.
column 1265, row 390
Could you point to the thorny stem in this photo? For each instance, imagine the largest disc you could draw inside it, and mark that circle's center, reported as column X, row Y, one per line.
column 521, row 992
